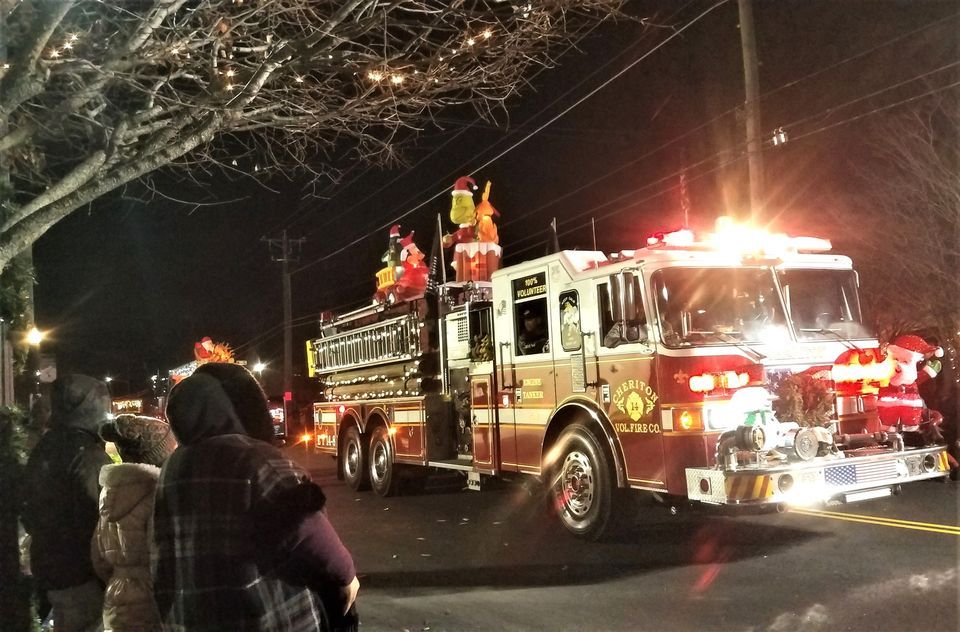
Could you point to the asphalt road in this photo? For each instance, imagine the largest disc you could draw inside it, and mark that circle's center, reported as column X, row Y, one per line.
column 450, row 559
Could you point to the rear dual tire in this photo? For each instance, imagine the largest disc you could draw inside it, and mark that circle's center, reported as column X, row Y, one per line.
column 353, row 460
column 384, row 478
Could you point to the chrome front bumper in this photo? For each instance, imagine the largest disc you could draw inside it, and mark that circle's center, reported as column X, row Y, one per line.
column 818, row 481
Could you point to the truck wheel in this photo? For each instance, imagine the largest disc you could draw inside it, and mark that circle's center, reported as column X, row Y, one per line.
column 383, row 471
column 353, row 460
column 583, row 487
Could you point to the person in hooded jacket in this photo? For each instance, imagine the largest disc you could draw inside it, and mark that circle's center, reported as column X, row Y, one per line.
column 240, row 538
column 60, row 509
column 120, row 547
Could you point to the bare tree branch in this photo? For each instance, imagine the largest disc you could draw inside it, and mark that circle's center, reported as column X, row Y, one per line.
column 100, row 93
column 911, row 239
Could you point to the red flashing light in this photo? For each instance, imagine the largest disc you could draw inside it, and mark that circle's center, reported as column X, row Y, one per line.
column 707, row 382
column 678, row 238
column 288, row 396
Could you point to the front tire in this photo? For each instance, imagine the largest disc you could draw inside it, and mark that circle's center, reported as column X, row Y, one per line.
column 353, row 460
column 582, row 485
column 383, row 471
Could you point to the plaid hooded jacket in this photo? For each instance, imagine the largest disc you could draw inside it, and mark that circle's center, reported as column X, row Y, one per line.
column 240, row 542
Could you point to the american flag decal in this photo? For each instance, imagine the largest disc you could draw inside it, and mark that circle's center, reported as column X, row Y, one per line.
column 844, row 475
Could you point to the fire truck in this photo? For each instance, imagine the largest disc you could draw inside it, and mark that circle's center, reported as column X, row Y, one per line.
column 657, row 369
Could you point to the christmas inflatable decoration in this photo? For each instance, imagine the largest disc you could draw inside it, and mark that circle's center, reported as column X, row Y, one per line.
column 476, row 253
column 900, row 406
column 462, row 210
column 405, row 275
column 411, row 257
column 486, row 229
column 209, row 351
column 204, row 351
column 392, row 256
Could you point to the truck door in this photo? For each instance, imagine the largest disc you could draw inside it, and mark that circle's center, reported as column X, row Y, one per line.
column 532, row 394
column 483, row 442
column 627, row 386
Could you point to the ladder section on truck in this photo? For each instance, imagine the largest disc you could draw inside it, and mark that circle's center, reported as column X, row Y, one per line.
column 392, row 340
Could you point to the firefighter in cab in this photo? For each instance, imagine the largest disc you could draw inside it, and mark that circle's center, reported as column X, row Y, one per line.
column 533, row 336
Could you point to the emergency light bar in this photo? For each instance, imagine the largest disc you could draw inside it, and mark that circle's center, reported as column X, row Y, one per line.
column 739, row 239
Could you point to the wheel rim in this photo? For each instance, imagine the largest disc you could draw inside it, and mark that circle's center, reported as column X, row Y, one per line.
column 351, row 463
column 380, row 462
column 577, row 484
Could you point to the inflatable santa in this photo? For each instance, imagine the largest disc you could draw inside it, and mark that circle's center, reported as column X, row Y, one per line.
column 899, row 403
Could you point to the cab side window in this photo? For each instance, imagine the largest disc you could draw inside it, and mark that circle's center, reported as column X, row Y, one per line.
column 531, row 326
column 570, row 334
column 622, row 317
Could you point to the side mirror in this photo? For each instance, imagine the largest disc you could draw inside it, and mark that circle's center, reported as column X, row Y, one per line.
column 630, row 299
column 685, row 324
column 616, row 297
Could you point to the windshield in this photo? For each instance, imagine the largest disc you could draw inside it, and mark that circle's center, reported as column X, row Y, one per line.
column 823, row 303
column 718, row 306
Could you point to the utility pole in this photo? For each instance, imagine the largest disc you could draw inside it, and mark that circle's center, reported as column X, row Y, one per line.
column 289, row 251
column 752, row 106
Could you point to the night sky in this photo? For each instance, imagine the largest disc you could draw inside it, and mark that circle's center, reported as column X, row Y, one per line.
column 127, row 286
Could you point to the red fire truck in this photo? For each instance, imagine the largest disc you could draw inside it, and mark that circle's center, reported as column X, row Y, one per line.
column 656, row 369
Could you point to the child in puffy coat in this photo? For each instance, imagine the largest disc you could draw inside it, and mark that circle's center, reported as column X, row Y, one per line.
column 120, row 547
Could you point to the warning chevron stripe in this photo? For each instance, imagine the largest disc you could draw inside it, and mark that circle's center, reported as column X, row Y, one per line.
column 749, row 487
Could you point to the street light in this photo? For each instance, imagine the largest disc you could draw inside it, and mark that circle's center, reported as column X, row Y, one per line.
column 108, row 379
column 34, row 337
column 258, row 368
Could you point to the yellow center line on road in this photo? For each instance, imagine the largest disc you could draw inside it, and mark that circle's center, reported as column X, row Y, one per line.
column 883, row 522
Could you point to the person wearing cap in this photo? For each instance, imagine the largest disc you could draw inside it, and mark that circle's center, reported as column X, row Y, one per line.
column 533, row 337
column 60, row 501
column 240, row 538
column 120, row 547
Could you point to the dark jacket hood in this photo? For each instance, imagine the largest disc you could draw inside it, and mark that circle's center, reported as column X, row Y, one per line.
column 244, row 392
column 199, row 408
column 79, row 401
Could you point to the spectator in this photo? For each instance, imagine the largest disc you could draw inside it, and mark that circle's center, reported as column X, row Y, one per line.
column 120, row 548
column 60, row 507
column 240, row 540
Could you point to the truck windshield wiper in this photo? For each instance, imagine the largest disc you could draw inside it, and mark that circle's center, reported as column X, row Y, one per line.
column 739, row 344
column 849, row 344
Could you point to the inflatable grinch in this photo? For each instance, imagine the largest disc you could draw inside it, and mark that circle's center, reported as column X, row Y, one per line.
column 476, row 253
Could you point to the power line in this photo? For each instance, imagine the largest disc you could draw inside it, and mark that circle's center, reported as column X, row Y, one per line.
column 739, row 157
column 796, row 122
column 394, row 180
column 527, row 137
column 472, row 124
column 295, row 323
column 291, row 219
column 646, row 155
column 696, row 129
